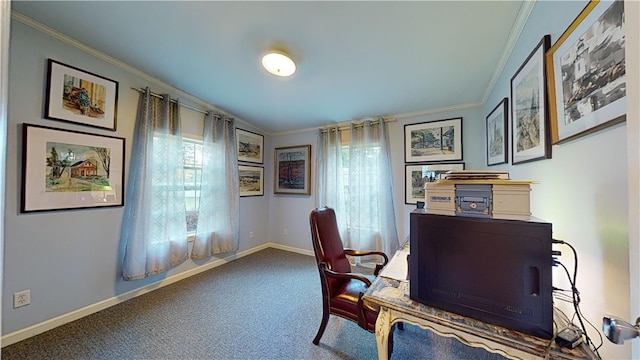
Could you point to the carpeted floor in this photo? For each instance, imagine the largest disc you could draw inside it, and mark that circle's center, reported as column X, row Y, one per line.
column 263, row 306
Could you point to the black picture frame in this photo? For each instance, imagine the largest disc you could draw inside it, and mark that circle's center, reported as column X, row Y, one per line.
column 81, row 97
column 250, row 146
column 66, row 169
column 251, row 180
column 497, row 140
column 414, row 178
column 530, row 134
column 433, row 141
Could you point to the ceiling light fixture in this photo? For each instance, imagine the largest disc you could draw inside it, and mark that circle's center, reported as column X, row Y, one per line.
column 278, row 63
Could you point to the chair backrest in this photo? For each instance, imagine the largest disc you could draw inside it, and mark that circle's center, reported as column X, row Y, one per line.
column 327, row 243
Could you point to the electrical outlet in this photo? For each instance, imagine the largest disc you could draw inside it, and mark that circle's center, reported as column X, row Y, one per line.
column 21, row 298
column 250, row 234
column 285, row 231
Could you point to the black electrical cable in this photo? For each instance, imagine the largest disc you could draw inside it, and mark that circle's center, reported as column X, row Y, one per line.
column 576, row 300
column 598, row 332
column 576, row 295
column 577, row 312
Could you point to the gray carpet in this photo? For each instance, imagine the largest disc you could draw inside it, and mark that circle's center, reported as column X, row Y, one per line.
column 263, row 306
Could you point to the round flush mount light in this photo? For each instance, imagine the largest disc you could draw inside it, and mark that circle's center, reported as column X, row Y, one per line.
column 278, row 63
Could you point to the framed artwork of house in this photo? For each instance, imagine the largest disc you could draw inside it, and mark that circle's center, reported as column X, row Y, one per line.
column 63, row 169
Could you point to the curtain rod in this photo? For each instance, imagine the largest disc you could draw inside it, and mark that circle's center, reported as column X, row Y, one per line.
column 141, row 90
column 347, row 127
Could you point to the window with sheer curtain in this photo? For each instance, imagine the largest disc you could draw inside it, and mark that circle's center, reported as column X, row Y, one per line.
column 178, row 186
column 355, row 179
column 154, row 228
column 192, row 181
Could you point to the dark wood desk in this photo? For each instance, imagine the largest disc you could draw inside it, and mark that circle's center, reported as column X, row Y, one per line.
column 395, row 306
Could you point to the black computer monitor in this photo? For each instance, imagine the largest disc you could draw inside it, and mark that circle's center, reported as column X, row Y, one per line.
column 496, row 271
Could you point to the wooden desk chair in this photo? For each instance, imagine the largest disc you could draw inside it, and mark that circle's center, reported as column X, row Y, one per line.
column 342, row 290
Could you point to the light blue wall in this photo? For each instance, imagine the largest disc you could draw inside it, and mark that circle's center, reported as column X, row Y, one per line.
column 582, row 190
column 292, row 211
column 71, row 259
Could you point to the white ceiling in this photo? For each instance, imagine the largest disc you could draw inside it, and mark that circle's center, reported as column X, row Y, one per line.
column 355, row 59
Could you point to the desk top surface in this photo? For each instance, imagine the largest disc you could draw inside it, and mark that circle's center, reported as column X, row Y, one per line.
column 394, row 294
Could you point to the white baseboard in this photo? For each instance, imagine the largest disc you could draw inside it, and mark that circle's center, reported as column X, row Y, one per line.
column 36, row 329
column 290, row 249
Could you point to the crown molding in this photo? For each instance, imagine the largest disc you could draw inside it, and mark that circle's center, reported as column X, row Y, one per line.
column 115, row 62
column 516, row 30
column 388, row 118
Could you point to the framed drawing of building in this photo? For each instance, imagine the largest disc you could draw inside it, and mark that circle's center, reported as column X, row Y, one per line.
column 63, row 169
column 530, row 138
column 586, row 73
column 433, row 141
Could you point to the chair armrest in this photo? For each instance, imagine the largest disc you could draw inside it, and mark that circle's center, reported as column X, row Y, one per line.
column 379, row 267
column 339, row 275
column 352, row 252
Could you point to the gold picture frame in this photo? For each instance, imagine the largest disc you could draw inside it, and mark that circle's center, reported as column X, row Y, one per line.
column 586, row 73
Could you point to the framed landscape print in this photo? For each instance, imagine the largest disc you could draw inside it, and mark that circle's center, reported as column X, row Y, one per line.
column 80, row 97
column 496, row 126
column 292, row 170
column 250, row 146
column 416, row 176
column 586, row 73
column 64, row 169
column 251, row 180
column 529, row 121
column 433, row 141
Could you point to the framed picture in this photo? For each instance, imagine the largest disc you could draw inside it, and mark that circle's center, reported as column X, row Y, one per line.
column 250, row 146
column 433, row 141
column 497, row 141
column 586, row 73
column 292, row 170
column 80, row 97
column 416, row 176
column 63, row 169
column 529, row 121
column 251, row 180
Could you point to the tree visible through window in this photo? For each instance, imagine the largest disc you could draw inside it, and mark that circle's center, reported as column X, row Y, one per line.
column 192, row 181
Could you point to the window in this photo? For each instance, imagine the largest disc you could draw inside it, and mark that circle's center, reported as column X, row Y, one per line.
column 371, row 174
column 362, row 195
column 192, row 181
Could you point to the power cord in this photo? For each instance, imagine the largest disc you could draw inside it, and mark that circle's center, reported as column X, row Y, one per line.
column 575, row 295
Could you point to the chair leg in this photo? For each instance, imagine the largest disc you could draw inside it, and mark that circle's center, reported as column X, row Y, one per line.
column 323, row 325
